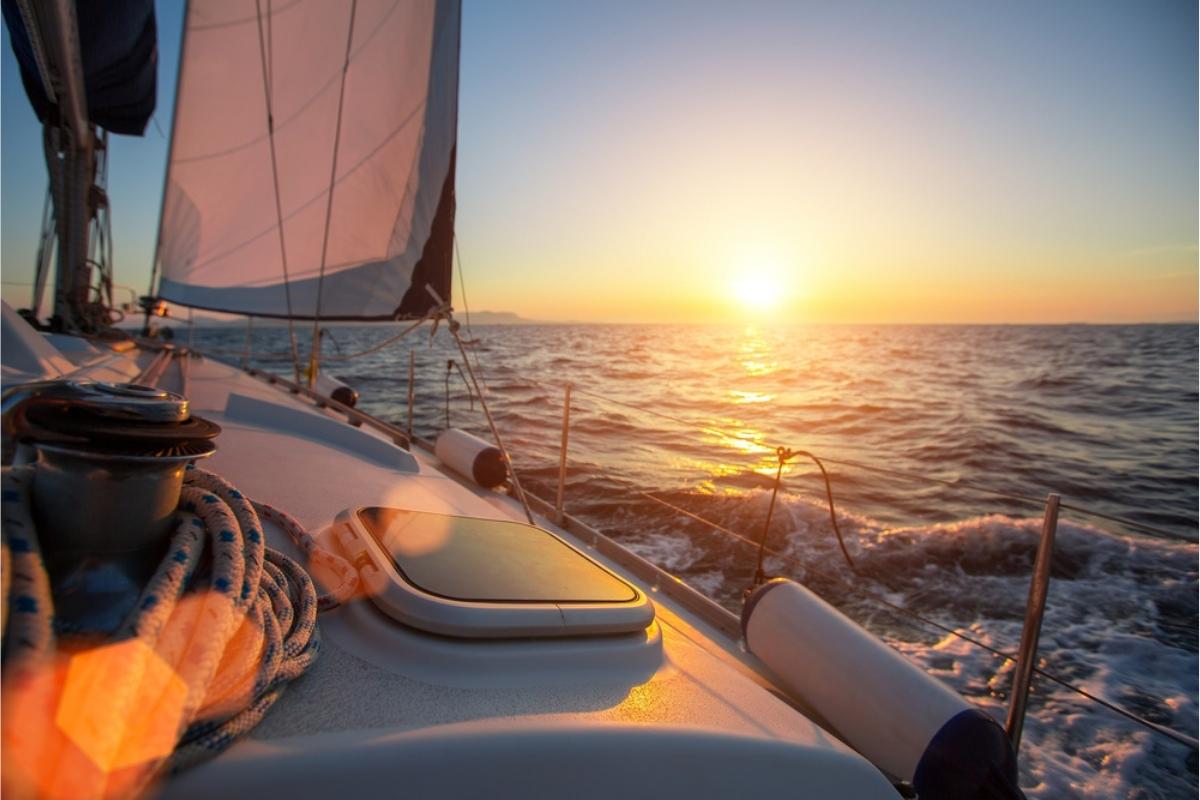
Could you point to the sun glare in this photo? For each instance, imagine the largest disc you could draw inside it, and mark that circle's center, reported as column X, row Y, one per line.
column 762, row 280
column 757, row 292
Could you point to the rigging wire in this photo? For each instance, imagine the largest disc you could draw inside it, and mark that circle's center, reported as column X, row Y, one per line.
column 315, row 351
column 432, row 314
column 516, row 481
column 462, row 287
column 325, row 332
column 760, row 577
column 467, row 308
column 860, row 591
column 451, row 366
column 43, row 263
column 263, row 46
column 278, row 355
column 246, row 352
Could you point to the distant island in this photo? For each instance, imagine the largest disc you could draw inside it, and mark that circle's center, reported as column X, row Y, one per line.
column 498, row 318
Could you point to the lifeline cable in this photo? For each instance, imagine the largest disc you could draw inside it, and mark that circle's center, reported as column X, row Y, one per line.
column 452, row 325
column 276, row 355
column 858, row 590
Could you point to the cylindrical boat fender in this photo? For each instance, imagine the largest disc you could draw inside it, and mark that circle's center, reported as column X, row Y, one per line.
column 902, row 719
column 334, row 389
column 471, row 457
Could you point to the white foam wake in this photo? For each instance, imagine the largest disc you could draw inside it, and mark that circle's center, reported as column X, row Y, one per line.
column 1120, row 623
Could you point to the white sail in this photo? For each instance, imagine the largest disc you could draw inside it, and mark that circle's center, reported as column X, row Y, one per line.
column 361, row 240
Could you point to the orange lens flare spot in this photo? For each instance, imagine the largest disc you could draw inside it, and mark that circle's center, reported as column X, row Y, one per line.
column 115, row 720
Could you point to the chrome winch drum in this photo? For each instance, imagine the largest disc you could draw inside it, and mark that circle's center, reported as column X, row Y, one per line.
column 111, row 462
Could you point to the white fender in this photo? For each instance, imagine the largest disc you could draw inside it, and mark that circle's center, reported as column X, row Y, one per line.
column 471, row 457
column 902, row 719
column 334, row 389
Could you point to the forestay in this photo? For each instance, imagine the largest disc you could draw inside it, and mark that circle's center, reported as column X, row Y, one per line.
column 363, row 166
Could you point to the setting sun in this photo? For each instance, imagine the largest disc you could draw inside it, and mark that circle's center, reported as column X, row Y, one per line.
column 757, row 292
column 762, row 279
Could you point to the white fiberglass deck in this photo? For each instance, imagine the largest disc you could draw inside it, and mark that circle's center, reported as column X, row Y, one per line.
column 675, row 709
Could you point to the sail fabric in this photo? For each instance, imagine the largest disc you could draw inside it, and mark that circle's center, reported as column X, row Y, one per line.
column 390, row 204
column 118, row 51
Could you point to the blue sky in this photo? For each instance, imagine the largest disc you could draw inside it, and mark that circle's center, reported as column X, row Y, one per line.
column 867, row 162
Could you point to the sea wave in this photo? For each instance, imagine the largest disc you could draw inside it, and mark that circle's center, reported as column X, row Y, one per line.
column 1120, row 623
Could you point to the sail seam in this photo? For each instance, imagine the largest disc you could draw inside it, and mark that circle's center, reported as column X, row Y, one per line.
column 283, row 123
column 395, row 155
column 309, row 202
column 233, row 23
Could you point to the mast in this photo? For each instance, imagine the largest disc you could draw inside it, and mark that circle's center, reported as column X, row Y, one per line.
column 45, row 251
column 88, row 70
column 69, row 142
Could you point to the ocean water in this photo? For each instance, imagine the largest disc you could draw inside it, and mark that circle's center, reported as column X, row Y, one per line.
column 1106, row 416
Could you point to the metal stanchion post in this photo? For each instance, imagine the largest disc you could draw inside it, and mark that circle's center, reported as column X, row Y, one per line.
column 1027, row 655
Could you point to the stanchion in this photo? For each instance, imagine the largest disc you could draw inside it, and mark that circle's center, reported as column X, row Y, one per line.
column 562, row 457
column 1027, row 655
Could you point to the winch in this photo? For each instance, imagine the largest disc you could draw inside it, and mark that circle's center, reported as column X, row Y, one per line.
column 110, row 464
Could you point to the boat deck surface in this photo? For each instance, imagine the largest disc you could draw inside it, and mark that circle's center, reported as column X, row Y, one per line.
column 381, row 693
column 376, row 673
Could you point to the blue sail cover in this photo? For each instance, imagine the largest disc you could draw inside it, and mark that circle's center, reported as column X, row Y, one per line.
column 118, row 45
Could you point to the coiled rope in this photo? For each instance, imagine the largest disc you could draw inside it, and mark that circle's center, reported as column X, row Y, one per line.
column 217, row 633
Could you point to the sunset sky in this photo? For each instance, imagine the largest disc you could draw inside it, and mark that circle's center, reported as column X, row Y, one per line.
column 791, row 161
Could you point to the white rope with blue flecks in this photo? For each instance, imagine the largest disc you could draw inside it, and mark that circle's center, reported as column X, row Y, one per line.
column 246, row 626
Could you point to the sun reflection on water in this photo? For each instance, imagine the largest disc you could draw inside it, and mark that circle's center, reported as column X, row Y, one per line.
column 736, row 435
column 755, row 354
column 752, row 451
column 740, row 397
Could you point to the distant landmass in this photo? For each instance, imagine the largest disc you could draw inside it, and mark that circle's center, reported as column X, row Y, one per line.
column 499, row 318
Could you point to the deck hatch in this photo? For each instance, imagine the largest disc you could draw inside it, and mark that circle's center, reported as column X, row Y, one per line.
column 484, row 578
column 489, row 561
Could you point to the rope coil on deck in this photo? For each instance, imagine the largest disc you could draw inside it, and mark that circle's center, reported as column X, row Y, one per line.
column 214, row 637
